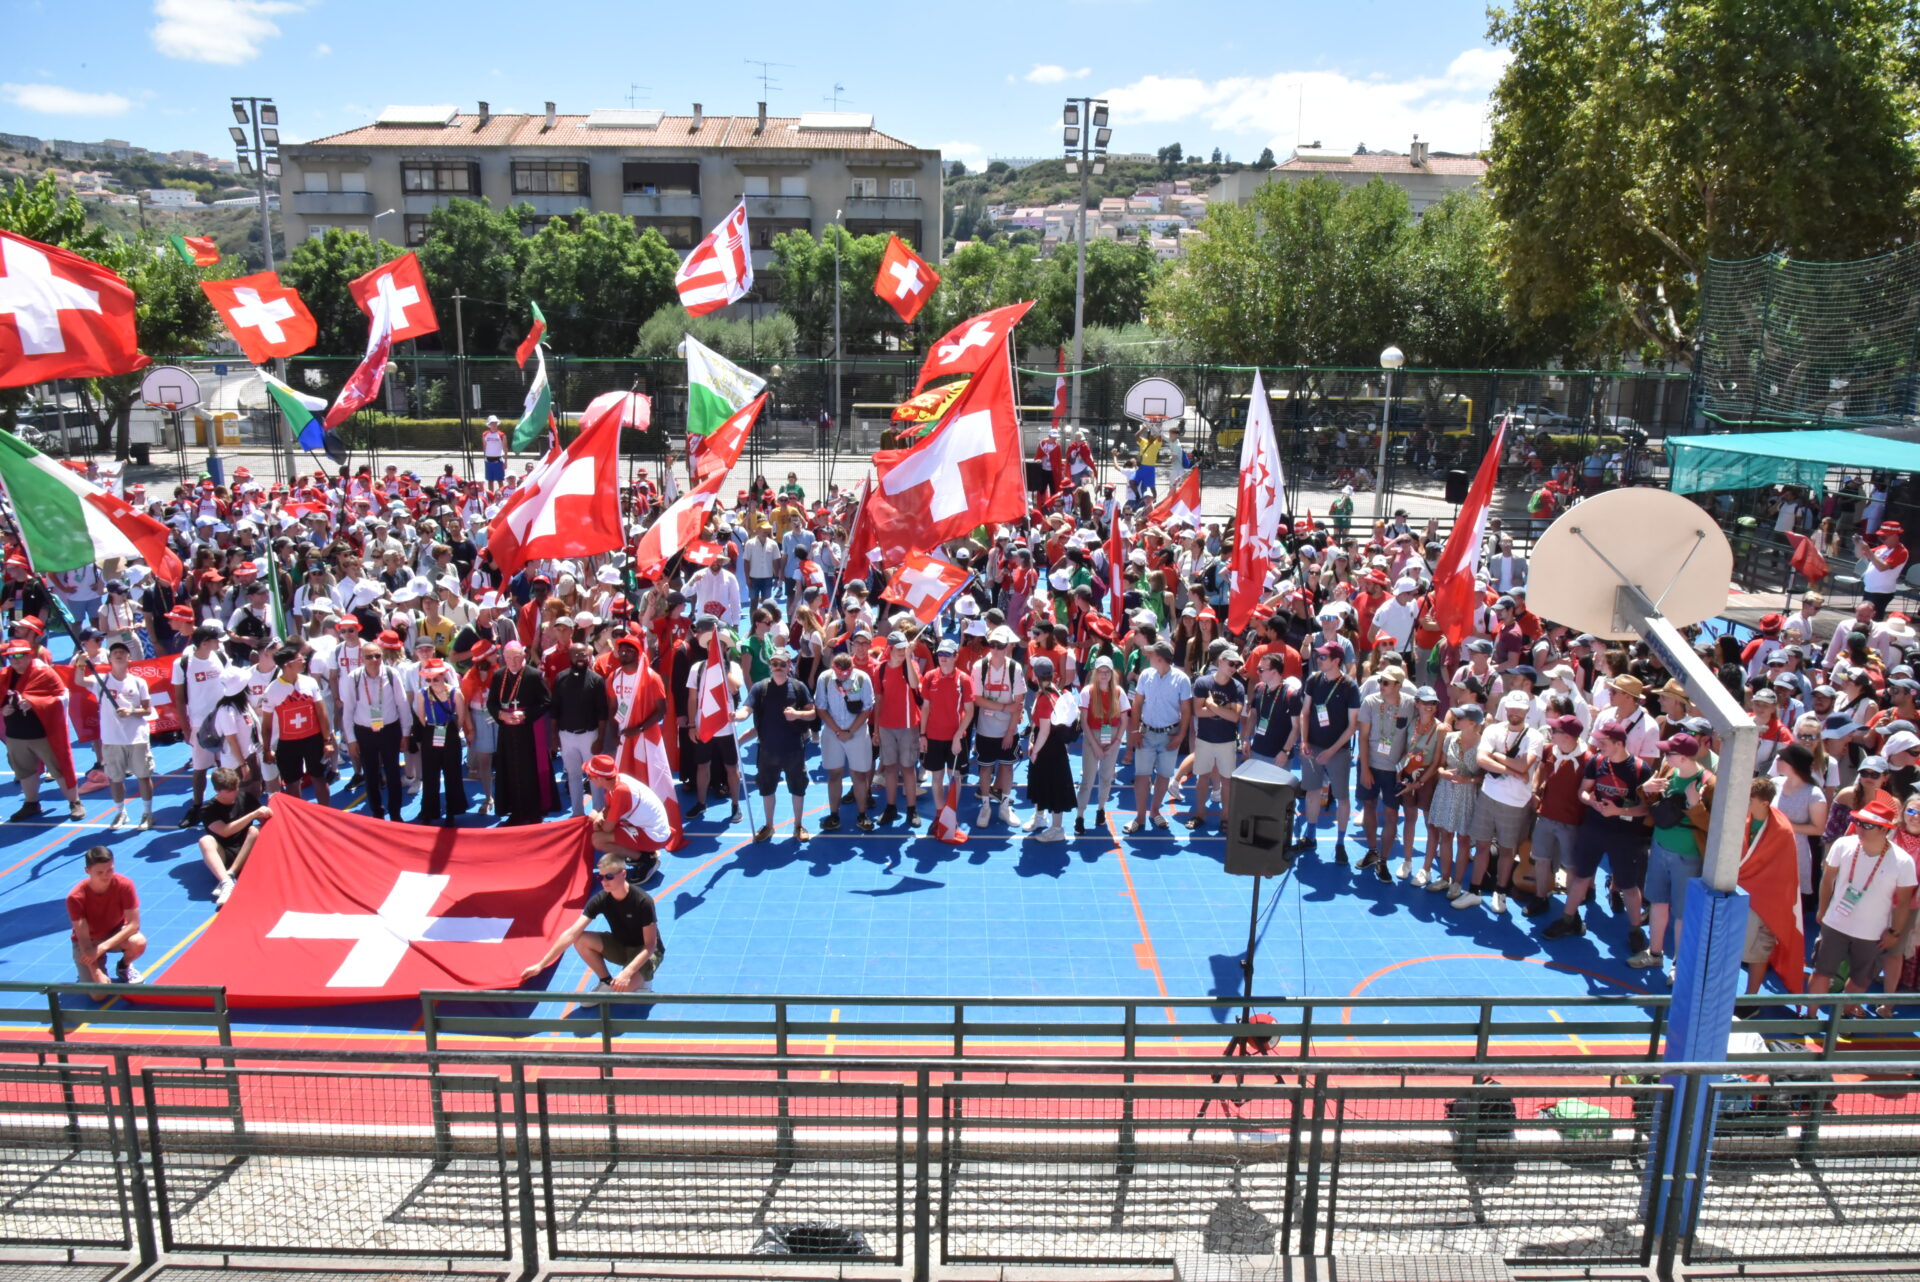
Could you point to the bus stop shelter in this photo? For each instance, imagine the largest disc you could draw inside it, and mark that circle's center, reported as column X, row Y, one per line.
column 1803, row 458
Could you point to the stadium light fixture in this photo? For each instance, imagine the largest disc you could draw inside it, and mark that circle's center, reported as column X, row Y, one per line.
column 1072, row 114
column 1073, row 136
column 269, row 114
column 1100, row 136
column 1073, row 166
column 239, row 135
column 240, row 113
column 1099, row 115
column 270, row 137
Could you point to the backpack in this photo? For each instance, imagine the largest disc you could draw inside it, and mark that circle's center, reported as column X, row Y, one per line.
column 207, row 737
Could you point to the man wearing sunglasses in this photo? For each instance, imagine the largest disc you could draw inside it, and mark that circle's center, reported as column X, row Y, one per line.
column 630, row 943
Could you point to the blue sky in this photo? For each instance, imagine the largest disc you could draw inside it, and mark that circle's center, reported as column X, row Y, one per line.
column 1236, row 74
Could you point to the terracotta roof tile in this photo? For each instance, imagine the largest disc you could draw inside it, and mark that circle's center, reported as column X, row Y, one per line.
column 516, row 130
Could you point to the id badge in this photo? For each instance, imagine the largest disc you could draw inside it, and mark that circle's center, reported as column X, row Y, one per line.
column 1321, row 717
column 378, row 723
column 439, row 736
column 1260, row 727
column 1107, row 734
column 1842, row 908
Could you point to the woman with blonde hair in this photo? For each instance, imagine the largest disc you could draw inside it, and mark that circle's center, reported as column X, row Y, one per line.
column 1104, row 705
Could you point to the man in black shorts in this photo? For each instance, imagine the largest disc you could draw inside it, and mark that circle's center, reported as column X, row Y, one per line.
column 1615, row 827
column 782, row 711
column 233, row 821
column 631, row 941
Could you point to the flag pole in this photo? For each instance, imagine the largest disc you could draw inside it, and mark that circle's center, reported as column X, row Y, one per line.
column 859, row 511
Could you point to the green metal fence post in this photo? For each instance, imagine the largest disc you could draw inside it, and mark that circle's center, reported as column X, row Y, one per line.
column 523, row 1158
column 136, row 1169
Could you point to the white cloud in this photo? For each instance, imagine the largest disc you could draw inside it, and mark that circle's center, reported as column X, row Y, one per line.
column 322, row 50
column 1448, row 110
column 57, row 101
column 1047, row 73
column 970, row 152
column 227, row 32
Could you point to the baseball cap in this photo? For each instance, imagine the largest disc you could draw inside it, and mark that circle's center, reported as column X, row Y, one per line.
column 949, row 646
column 1683, row 743
column 1567, row 725
column 1899, row 743
column 1612, row 730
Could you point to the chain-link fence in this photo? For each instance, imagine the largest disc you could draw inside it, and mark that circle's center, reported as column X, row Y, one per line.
column 373, row 1155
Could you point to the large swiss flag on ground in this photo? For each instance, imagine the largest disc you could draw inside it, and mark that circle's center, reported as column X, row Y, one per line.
column 61, row 316
column 401, row 290
column 967, row 473
column 335, row 908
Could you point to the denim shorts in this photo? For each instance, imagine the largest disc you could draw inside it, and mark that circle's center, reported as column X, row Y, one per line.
column 1667, row 875
column 1155, row 755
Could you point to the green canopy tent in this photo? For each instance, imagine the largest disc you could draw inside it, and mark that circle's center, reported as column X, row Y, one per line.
column 1754, row 460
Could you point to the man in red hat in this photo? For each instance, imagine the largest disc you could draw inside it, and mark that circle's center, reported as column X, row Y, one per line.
column 1866, row 899
column 1887, row 557
column 33, row 712
column 632, row 822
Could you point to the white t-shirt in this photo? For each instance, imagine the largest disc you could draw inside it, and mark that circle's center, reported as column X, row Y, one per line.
column 1520, row 747
column 202, row 679
column 115, row 729
column 693, row 684
column 237, row 723
column 1862, row 903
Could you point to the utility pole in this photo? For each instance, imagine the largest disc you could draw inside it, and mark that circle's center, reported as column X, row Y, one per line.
column 257, row 139
column 839, row 234
column 1086, row 134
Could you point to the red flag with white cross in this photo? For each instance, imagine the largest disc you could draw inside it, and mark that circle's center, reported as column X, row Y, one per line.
column 971, row 344
column 924, row 585
column 966, row 473
column 265, row 317
column 399, row 289
column 62, row 316
column 905, row 281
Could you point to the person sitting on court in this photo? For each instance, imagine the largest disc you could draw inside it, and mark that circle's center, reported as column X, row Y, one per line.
column 105, row 912
column 631, row 822
column 631, row 942
column 233, row 820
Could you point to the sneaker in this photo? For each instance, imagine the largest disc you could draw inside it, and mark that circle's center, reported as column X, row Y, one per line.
column 1564, row 927
column 32, row 811
column 1100, row 817
column 693, row 812
column 801, row 834
column 1637, row 941
column 1054, row 833
column 1384, row 873
column 1036, row 823
column 830, row 824
column 1158, row 821
column 1340, row 853
column 1369, row 857
column 765, row 833
column 734, row 816
column 128, row 973
column 913, row 820
column 1499, row 903
column 1644, row 960
column 864, row 822
column 1079, row 825
column 1419, row 878
column 604, row 986
column 221, row 892
column 118, row 819
column 985, row 816
column 1537, row 906
column 1301, row 846
column 1442, row 886
column 1468, row 900
column 889, row 816
column 1132, row 825
column 146, row 822
column 1406, row 871
column 76, row 812
column 1006, row 811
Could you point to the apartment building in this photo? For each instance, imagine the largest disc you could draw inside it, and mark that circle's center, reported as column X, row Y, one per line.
column 676, row 174
column 1424, row 175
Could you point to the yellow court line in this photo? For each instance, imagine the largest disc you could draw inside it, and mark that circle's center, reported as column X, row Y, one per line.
column 831, row 1038
column 171, row 953
column 1572, row 1037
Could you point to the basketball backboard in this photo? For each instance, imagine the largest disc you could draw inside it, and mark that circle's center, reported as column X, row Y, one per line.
column 1152, row 399
column 169, row 387
column 1658, row 541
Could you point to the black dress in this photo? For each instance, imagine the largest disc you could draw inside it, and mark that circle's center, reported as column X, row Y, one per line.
column 517, row 760
column 1050, row 775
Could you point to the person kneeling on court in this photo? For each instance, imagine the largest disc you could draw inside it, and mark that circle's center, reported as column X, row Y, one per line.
column 631, row 822
column 105, row 912
column 631, row 942
column 233, row 822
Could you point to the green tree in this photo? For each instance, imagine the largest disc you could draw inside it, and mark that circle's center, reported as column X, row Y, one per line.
column 1456, row 313
column 172, row 317
column 1633, row 142
column 981, row 277
column 597, row 283
column 1170, row 157
column 320, row 269
column 1266, row 160
column 478, row 251
column 1120, row 276
column 803, row 268
column 746, row 341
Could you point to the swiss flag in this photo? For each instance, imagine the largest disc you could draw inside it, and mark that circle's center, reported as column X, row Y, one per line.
column 904, row 282
column 1182, row 507
column 265, row 317
column 970, row 345
column 338, row 907
column 1807, row 559
column 62, row 316
column 712, row 707
column 924, row 585
column 399, row 289
column 720, row 450
column 569, row 505
column 946, row 820
column 678, row 528
column 966, row 473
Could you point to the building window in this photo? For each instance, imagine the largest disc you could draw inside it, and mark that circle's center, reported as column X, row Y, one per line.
column 354, row 181
column 647, row 178
column 754, row 185
column 793, row 184
column 766, row 229
column 679, row 233
column 452, row 176
column 905, row 230
column 531, row 225
column 316, row 180
column 900, row 187
column 549, row 178
column 416, row 229
column 316, row 231
column 866, row 187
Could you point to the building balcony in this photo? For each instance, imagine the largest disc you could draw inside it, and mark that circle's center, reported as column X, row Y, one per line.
column 903, row 209
column 799, row 207
column 670, row 205
column 555, row 206
column 316, row 204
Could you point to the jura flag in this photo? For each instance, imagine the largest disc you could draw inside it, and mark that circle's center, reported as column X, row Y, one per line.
column 265, row 317
column 1257, row 512
column 925, row 585
column 398, row 289
column 61, row 316
column 1453, row 578
column 720, row 268
column 569, row 505
column 967, row 473
column 1182, row 507
column 905, row 281
column 338, row 907
column 971, row 344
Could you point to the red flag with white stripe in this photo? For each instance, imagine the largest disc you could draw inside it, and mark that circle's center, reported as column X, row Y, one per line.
column 1060, row 390
column 720, row 268
column 364, row 383
column 1454, row 595
column 679, row 526
column 925, row 584
column 1116, row 577
column 1182, row 506
column 1257, row 514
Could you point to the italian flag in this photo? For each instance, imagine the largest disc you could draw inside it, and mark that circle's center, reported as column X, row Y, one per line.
column 536, row 418
column 198, row 250
column 300, row 410
column 532, row 340
column 716, row 388
column 67, row 522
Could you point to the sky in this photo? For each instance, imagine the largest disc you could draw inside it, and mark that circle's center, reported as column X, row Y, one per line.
column 1234, row 74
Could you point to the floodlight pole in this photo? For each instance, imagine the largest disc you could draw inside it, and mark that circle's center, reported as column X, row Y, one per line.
column 1086, row 142
column 1390, row 360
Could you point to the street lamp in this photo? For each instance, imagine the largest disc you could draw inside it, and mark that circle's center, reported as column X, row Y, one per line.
column 258, row 153
column 1391, row 359
column 1086, row 145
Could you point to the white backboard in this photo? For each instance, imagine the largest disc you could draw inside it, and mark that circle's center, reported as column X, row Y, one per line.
column 1649, row 535
column 1154, row 398
column 169, row 387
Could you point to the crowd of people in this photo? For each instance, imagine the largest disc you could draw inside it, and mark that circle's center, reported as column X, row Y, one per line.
column 353, row 626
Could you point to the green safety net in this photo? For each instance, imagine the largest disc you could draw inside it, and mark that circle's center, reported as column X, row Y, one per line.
column 1752, row 460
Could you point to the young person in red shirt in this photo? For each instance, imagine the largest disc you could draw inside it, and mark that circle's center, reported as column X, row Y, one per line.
column 946, row 693
column 105, row 912
column 897, row 718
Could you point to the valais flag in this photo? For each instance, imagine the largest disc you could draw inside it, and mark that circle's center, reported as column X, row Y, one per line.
column 678, row 527
column 569, row 505
column 61, row 316
column 712, row 703
column 1182, row 506
column 965, row 474
column 925, row 585
column 1453, row 578
column 399, row 289
column 1257, row 513
column 720, row 268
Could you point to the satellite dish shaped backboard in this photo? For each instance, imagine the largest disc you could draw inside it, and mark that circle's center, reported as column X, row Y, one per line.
column 1153, row 399
column 168, row 387
column 1660, row 542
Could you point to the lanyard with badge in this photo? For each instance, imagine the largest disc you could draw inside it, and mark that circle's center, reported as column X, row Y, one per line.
column 1850, row 895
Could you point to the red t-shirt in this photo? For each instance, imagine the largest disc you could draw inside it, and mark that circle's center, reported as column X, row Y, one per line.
column 946, row 698
column 1560, row 789
column 1289, row 659
column 898, row 709
column 104, row 912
